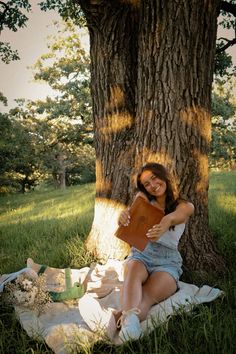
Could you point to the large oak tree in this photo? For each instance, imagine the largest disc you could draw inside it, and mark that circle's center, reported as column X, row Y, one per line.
column 152, row 68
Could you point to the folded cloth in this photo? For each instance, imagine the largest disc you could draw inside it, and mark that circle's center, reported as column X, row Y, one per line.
column 97, row 318
column 66, row 327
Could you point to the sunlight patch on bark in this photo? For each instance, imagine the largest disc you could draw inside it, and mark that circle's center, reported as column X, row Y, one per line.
column 198, row 118
column 102, row 238
column 104, row 207
column 146, row 155
column 116, row 98
column 102, row 184
column 115, row 123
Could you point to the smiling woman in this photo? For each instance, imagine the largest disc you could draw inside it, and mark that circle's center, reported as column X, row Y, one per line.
column 152, row 272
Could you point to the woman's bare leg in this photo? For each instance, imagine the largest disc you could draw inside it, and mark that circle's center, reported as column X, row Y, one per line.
column 135, row 275
column 158, row 287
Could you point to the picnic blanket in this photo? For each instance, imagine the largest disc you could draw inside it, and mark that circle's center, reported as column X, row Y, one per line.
column 68, row 325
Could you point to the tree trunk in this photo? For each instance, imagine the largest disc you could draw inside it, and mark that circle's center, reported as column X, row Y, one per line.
column 175, row 73
column 61, row 174
column 152, row 68
column 113, row 28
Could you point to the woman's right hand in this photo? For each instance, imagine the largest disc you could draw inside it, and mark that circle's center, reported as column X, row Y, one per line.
column 124, row 217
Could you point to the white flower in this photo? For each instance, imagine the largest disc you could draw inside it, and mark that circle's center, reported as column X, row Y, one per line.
column 27, row 284
column 31, row 296
column 19, row 296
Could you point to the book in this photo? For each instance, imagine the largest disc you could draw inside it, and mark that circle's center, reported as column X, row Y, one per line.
column 143, row 216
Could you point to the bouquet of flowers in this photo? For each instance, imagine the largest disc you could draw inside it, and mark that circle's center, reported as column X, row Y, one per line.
column 28, row 292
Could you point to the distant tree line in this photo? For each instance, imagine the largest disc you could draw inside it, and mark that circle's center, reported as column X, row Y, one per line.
column 51, row 140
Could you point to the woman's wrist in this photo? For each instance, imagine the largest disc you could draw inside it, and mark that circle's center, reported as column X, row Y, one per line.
column 170, row 219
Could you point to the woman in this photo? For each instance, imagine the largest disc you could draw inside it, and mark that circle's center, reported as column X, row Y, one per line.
column 152, row 275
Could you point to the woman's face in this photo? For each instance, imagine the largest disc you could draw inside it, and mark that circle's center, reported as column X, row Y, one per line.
column 153, row 185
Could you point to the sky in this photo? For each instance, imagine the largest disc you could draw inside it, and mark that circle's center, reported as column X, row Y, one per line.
column 31, row 42
column 16, row 79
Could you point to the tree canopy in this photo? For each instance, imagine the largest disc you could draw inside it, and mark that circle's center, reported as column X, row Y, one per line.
column 12, row 16
column 54, row 136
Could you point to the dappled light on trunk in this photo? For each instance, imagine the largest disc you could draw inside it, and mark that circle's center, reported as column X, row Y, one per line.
column 152, row 70
column 198, row 119
column 114, row 123
column 102, row 241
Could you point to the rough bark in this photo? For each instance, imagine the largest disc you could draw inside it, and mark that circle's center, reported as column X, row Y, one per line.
column 152, row 69
column 113, row 40
column 176, row 53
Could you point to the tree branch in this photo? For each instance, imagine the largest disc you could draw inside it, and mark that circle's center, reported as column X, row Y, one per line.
column 228, row 7
column 224, row 39
column 227, row 45
column 2, row 15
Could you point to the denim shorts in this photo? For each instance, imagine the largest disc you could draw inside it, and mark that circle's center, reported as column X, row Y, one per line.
column 159, row 258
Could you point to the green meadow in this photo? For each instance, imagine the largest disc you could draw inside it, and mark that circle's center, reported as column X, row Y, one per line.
column 50, row 226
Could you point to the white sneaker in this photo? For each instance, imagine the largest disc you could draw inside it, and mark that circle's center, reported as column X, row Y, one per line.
column 97, row 319
column 130, row 325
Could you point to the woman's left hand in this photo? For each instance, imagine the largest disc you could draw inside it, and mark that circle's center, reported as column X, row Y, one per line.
column 158, row 230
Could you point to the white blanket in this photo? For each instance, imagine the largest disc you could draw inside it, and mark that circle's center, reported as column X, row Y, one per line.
column 64, row 329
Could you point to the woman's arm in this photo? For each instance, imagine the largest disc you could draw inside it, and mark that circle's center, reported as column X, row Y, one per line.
column 181, row 214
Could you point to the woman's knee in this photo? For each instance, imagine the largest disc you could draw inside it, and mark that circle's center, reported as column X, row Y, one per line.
column 136, row 269
column 159, row 287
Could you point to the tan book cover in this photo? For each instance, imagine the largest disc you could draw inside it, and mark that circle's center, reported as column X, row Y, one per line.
column 143, row 216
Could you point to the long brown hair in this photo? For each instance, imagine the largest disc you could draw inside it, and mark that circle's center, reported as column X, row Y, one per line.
column 161, row 172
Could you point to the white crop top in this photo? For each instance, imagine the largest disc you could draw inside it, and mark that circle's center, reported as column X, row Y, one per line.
column 171, row 237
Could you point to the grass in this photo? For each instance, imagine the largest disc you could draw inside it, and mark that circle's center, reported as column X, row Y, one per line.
column 222, row 213
column 50, row 227
column 44, row 226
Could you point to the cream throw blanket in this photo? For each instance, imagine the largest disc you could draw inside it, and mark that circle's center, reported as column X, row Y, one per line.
column 62, row 326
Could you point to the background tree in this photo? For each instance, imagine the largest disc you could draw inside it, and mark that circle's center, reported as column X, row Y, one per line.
column 67, row 117
column 223, row 144
column 20, row 165
column 64, row 147
column 59, row 129
column 56, row 133
column 36, row 148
